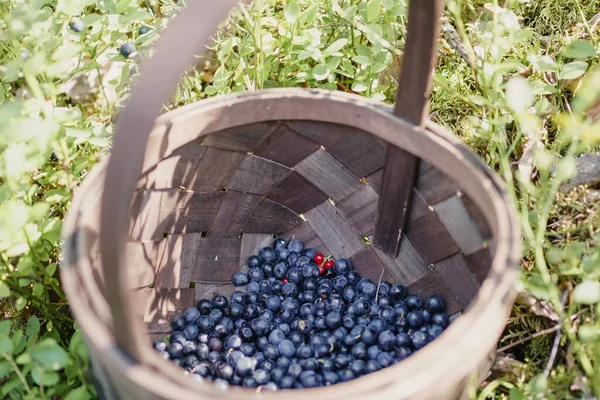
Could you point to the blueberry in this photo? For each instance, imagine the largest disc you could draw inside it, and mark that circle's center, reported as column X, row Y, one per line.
column 260, row 357
column 277, row 374
column 342, row 361
column 143, row 30
column 368, row 337
column 385, row 359
column 403, row 352
column 323, row 291
column 403, row 340
column 369, row 288
column 225, row 371
column 286, row 348
column 236, row 311
column 293, row 275
column 426, row 316
column 256, row 275
column 349, row 340
column 283, row 361
column 308, row 379
column 353, row 277
column 440, row 319
column 361, row 307
column 249, row 382
column 251, row 296
column 190, row 331
column 346, row 375
column 178, row 337
column 375, row 308
column 293, row 258
column 307, row 310
column 310, row 270
column 304, row 351
column 342, row 266
column 265, row 288
column 280, row 270
column 286, row 316
column 175, row 350
column 273, row 303
column 386, row 340
column 220, row 302
column 283, row 253
column 435, row 331
column 377, row 325
column 330, row 377
column 245, row 366
column 414, row 301
column 189, row 347
column 372, row 366
column 276, row 286
column 321, row 351
column 215, row 344
column 302, row 261
column 267, row 269
column 286, row 382
column 362, row 321
column 348, row 322
column 385, row 301
column 233, row 342
column 248, row 349
column 305, row 326
column 340, row 282
column 276, row 336
column 271, row 352
column 268, row 254
column 251, row 312
column 255, row 261
column 420, row 339
column 77, row 25
column 238, row 297
column 333, row 319
column 307, row 296
column 127, row 49
column 240, row 279
column 289, row 290
column 397, row 292
column 178, row 323
column 294, row 370
column 388, row 314
column 359, row 351
column 205, row 324
column 358, row 367
column 373, row 352
column 160, row 345
column 202, row 351
column 216, row 314
column 295, row 245
column 320, row 323
column 415, row 319
column 191, row 361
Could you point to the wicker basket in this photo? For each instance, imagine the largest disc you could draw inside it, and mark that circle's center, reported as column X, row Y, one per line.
column 212, row 182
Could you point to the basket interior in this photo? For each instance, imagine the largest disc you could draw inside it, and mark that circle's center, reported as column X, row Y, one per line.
column 199, row 214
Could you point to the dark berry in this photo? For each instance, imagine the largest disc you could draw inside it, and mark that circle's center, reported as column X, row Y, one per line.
column 271, row 352
column 267, row 269
column 388, row 314
column 358, row 367
column 385, row 301
column 386, row 340
column 415, row 319
column 283, row 254
column 77, row 25
column 286, row 382
column 143, row 30
column 403, row 340
column 236, row 311
column 295, row 245
column 202, row 351
column 280, row 270
column 289, row 290
column 368, row 337
column 255, row 261
column 435, row 331
column 420, row 339
column 304, row 351
column 205, row 323
column 260, row 326
column 397, row 292
column 216, row 314
column 248, row 349
column 353, row 277
column 385, row 359
column 251, row 296
column 160, row 345
column 346, row 375
column 342, row 266
column 245, row 366
column 190, row 331
column 178, row 323
column 215, row 344
column 250, row 312
column 372, row 366
column 426, row 316
column 276, row 336
column 377, row 325
column 220, row 302
column 279, row 243
column 403, row 352
column 333, row 319
column 414, row 301
column 189, row 347
column 369, row 288
column 361, row 307
column 310, row 270
column 340, row 282
column 127, row 49
column 293, row 275
column 330, row 377
column 373, row 352
column 305, row 326
column 348, row 322
column 268, row 254
column 175, row 350
column 310, row 253
column 440, row 319
column 240, row 279
column 238, row 297
column 191, row 361
column 256, row 275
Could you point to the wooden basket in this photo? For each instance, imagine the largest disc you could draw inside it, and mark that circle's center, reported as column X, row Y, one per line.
column 213, row 182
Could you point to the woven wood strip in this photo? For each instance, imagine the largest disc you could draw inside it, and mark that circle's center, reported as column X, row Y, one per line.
column 431, row 284
column 163, row 305
column 327, row 134
column 233, row 215
column 286, row 147
column 458, row 278
column 407, row 267
column 177, row 170
column 479, row 264
column 217, row 259
column 257, row 175
column 244, row 138
column 360, row 209
column 176, row 263
column 360, row 152
column 252, row 243
column 141, row 259
column 455, row 217
column 374, row 180
column 269, row 216
column 208, row 290
column 214, row 169
column 296, row 193
column 370, row 266
column 336, row 232
column 305, row 233
column 430, row 238
column 418, row 207
column 327, row 174
column 198, row 213
column 435, row 186
column 477, row 216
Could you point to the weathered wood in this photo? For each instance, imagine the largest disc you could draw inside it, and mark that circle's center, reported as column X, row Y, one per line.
column 196, row 212
column 257, row 175
column 233, row 215
column 405, row 268
column 479, row 263
column 453, row 214
column 458, row 278
column 252, row 243
column 418, row 206
column 214, row 169
column 430, row 238
column 431, row 284
column 327, row 174
column 286, row 147
column 336, row 232
column 216, row 260
column 241, row 138
column 477, row 216
column 307, row 235
column 327, row 134
column 208, row 290
column 141, row 258
column 296, row 193
column 163, row 305
column 370, row 266
column 177, row 170
column 269, row 216
column 360, row 152
column 435, row 186
column 176, row 261
column 360, row 209
column 374, row 180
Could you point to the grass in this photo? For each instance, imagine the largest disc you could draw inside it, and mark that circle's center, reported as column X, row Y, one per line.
column 522, row 104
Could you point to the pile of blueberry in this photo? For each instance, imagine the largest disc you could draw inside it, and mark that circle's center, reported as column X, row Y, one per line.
column 303, row 321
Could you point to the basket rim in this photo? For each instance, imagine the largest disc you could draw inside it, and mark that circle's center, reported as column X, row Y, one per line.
column 490, row 302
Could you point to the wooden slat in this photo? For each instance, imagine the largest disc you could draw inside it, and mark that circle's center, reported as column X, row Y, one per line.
column 233, row 214
column 405, row 268
column 418, row 207
column 336, row 232
column 431, row 284
column 243, row 138
column 177, row 170
column 324, row 133
column 477, row 216
column 360, row 152
column 453, row 214
column 214, row 169
column 360, row 209
column 430, row 238
column 176, row 261
column 458, row 278
column 327, row 174
column 374, row 180
column 479, row 264
column 296, row 193
column 141, row 257
column 208, row 290
column 163, row 305
column 252, row 243
column 436, row 186
column 269, row 216
column 216, row 260
column 370, row 266
column 286, row 147
column 307, row 235
column 257, row 175
column 199, row 212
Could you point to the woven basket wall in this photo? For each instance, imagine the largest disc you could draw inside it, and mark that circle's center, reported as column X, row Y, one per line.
column 221, row 178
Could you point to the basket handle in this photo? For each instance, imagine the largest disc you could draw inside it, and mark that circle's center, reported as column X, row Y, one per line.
column 187, row 34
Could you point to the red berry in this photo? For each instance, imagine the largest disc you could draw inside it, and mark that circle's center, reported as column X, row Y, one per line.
column 321, row 269
column 329, row 264
column 284, row 280
column 319, row 258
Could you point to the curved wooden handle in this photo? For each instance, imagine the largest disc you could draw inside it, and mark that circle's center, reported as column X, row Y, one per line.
column 174, row 52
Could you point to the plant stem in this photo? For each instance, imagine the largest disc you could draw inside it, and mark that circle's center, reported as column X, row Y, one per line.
column 17, row 370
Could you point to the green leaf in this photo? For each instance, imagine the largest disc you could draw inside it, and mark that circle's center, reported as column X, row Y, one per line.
column 5, row 327
column 336, row 46
column 6, row 345
column 546, row 63
column 5, row 369
column 308, row 16
column 587, row 292
column 538, row 384
column 373, row 10
column 50, row 270
column 33, row 326
column 579, row 49
column 519, row 94
column 44, row 378
column 291, row 11
column 49, row 355
column 359, row 87
column 573, row 69
column 516, row 394
column 321, row 71
column 4, row 290
column 77, row 133
column 363, row 60
column 72, row 7
column 54, row 196
column 80, row 393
